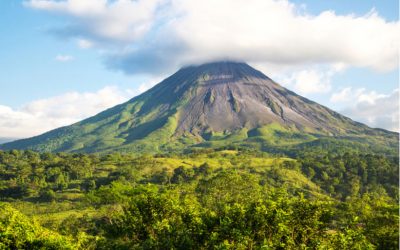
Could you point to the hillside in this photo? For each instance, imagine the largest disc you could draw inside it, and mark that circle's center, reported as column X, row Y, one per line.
column 211, row 105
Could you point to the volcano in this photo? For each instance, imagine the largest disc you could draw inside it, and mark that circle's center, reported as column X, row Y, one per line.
column 210, row 105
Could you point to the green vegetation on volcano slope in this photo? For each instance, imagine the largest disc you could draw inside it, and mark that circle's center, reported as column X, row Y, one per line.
column 224, row 199
column 92, row 136
column 217, row 104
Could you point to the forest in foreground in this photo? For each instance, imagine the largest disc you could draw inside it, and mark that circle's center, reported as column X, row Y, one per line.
column 204, row 199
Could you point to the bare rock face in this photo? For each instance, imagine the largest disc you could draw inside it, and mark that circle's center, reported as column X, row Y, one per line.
column 227, row 96
column 214, row 98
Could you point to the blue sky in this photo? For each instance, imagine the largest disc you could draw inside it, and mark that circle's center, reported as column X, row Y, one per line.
column 387, row 8
column 57, row 52
column 27, row 60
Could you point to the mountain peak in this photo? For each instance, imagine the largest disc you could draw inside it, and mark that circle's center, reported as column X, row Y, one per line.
column 232, row 69
column 217, row 64
column 225, row 101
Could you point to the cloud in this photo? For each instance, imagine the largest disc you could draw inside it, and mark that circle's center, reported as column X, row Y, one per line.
column 64, row 58
column 170, row 33
column 314, row 80
column 121, row 20
column 85, row 44
column 370, row 107
column 43, row 115
column 343, row 95
column 350, row 95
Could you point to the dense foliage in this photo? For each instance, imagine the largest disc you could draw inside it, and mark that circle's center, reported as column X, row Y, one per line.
column 204, row 199
column 19, row 232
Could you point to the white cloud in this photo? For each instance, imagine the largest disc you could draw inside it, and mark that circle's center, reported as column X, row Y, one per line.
column 85, row 44
column 277, row 31
column 169, row 33
column 45, row 114
column 370, row 107
column 121, row 20
column 309, row 81
column 343, row 95
column 349, row 95
column 64, row 58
